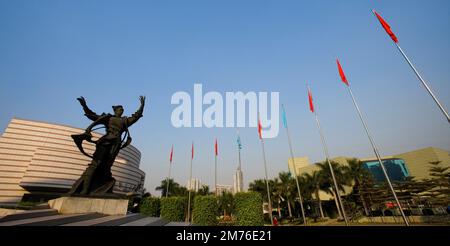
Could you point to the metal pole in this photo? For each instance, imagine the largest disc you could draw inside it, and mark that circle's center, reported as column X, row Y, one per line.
column 267, row 181
column 424, row 83
column 295, row 173
column 190, row 188
column 375, row 149
column 340, row 204
column 215, row 173
column 168, row 179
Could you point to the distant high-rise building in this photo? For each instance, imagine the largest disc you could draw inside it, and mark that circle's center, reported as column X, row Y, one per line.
column 223, row 188
column 238, row 181
column 194, row 185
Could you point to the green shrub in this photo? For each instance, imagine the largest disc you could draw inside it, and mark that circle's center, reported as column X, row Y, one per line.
column 150, row 206
column 173, row 208
column 248, row 208
column 204, row 212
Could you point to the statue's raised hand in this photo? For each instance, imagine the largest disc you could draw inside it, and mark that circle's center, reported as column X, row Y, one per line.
column 142, row 99
column 82, row 101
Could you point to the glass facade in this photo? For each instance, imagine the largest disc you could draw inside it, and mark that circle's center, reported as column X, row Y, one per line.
column 396, row 169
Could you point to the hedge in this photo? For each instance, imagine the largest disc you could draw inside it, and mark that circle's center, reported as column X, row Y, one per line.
column 150, row 206
column 204, row 212
column 173, row 208
column 248, row 209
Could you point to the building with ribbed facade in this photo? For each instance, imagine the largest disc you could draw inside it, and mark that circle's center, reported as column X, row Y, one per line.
column 39, row 161
column 238, row 181
column 194, row 185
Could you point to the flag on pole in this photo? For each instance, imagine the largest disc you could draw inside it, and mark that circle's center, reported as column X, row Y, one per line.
column 239, row 142
column 171, row 153
column 386, row 27
column 284, row 116
column 192, row 157
column 259, row 128
column 311, row 105
column 216, row 149
column 341, row 73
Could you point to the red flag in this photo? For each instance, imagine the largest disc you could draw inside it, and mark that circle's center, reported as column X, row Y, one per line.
column 171, row 154
column 216, row 149
column 192, row 151
column 341, row 72
column 311, row 105
column 259, row 128
column 386, row 27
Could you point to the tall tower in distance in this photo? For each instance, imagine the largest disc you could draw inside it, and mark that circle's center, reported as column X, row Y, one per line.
column 238, row 181
column 238, row 178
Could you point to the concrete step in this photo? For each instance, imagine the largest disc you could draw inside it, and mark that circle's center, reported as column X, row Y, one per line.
column 29, row 214
column 53, row 220
column 147, row 221
column 96, row 221
column 126, row 219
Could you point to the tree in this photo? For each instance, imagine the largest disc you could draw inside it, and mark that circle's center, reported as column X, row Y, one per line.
column 440, row 183
column 313, row 182
column 259, row 185
column 175, row 189
column 204, row 190
column 226, row 203
column 287, row 189
column 361, row 177
column 328, row 184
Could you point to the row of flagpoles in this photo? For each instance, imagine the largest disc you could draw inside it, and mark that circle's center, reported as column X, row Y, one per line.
column 339, row 204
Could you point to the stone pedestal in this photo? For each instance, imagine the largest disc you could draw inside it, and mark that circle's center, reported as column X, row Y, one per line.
column 80, row 205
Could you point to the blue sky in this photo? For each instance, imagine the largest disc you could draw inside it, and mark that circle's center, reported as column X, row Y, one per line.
column 111, row 52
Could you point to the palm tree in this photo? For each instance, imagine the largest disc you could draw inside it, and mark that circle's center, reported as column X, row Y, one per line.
column 226, row 203
column 313, row 182
column 287, row 188
column 204, row 190
column 276, row 194
column 328, row 184
column 173, row 187
column 361, row 177
column 259, row 185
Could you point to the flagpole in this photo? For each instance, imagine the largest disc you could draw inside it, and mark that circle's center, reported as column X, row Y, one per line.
column 239, row 149
column 215, row 168
column 377, row 154
column 265, row 169
column 239, row 176
column 190, row 187
column 388, row 30
column 168, row 179
column 424, row 83
column 325, row 149
column 170, row 167
column 339, row 204
column 293, row 164
column 267, row 181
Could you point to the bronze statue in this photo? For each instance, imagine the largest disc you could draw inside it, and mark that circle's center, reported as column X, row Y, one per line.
column 97, row 179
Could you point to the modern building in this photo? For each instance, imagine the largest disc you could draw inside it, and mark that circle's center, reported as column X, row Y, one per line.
column 418, row 161
column 414, row 163
column 194, row 185
column 40, row 161
column 395, row 167
column 224, row 188
column 302, row 166
column 238, row 181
